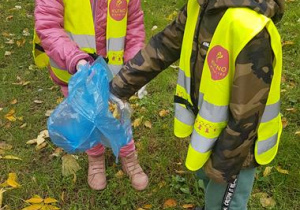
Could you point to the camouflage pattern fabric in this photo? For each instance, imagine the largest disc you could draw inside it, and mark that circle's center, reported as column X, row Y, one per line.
column 234, row 148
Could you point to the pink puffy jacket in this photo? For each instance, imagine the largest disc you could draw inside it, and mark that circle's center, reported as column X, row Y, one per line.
column 49, row 25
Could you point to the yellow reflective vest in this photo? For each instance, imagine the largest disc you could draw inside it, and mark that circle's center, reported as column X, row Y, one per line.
column 81, row 30
column 236, row 28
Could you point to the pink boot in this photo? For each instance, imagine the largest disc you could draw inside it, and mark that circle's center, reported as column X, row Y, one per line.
column 131, row 166
column 96, row 172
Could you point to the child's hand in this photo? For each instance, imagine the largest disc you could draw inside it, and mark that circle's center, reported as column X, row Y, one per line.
column 80, row 64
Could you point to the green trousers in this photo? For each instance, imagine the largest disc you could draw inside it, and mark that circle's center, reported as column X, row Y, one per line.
column 232, row 196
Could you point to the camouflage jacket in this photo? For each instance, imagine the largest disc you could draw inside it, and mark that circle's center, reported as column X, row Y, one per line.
column 234, row 148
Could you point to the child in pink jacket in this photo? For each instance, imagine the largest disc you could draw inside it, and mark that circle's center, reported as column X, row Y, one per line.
column 49, row 26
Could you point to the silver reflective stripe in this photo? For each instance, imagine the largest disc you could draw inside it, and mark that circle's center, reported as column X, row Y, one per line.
column 184, row 115
column 115, row 44
column 213, row 113
column 200, row 143
column 271, row 111
column 265, row 145
column 184, row 81
column 83, row 41
column 53, row 64
column 114, row 68
column 200, row 100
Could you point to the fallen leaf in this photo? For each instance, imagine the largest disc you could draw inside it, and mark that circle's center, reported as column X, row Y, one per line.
column 282, row 171
column 10, row 41
column 172, row 15
column 32, row 141
column 164, row 113
column 59, row 100
column 297, row 133
column 188, row 206
column 9, row 17
column 36, row 199
column 48, row 113
column 1, row 196
column 147, row 206
column 284, row 122
column 39, row 140
column 174, row 66
column 170, row 203
column 41, row 146
column 10, row 157
column 50, row 200
column 21, row 42
column 69, row 165
column 137, row 122
column 5, row 146
column 10, row 115
column 154, row 28
column 33, row 207
column 1, row 109
column 12, row 180
column 179, row 172
column 293, row 110
column 119, row 174
column 1, row 152
column 24, row 83
column 14, row 101
column 44, row 133
column 38, row 101
column 26, row 32
column 267, row 171
column 284, row 43
column 51, row 207
column 267, row 202
column 7, row 53
column 148, row 124
column 23, row 125
column 18, row 7
column 57, row 152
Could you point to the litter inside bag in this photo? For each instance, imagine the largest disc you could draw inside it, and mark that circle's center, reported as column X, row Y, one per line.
column 83, row 119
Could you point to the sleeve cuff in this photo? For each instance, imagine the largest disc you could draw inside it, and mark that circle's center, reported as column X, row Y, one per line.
column 75, row 59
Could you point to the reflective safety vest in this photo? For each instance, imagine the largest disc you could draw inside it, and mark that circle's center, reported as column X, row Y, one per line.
column 79, row 25
column 236, row 28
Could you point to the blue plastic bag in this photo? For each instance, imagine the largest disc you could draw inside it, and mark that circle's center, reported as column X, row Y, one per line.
column 83, row 119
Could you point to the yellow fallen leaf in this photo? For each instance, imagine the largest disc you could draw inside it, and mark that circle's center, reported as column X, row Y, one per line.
column 169, row 203
column 35, row 200
column 7, row 53
column 24, row 83
column 1, row 196
column 280, row 170
column 11, row 157
column 147, row 206
column 172, row 15
column 284, row 43
column 14, row 101
column 148, row 124
column 32, row 141
column 57, row 152
column 39, row 140
column 162, row 184
column 188, row 206
column 267, row 202
column 12, row 180
column 164, row 113
column 284, row 122
column 48, row 113
column 33, row 207
column 69, row 165
column 293, row 110
column 119, row 174
column 44, row 134
column 23, row 125
column 10, row 115
column 267, row 171
column 5, row 146
column 137, row 122
column 59, row 100
column 51, row 207
column 50, row 200
column 297, row 133
column 37, row 101
column 41, row 146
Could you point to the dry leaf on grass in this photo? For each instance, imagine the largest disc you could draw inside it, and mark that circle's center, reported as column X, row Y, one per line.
column 14, row 101
column 164, row 113
column 48, row 113
column 297, row 133
column 188, row 206
column 38, row 101
column 69, row 165
column 11, row 115
column 282, row 171
column 267, row 171
column 1, row 196
column 148, row 124
column 170, row 203
column 50, row 200
column 11, row 181
column 147, row 206
column 137, row 122
column 5, row 146
column 57, row 152
column 284, row 122
column 267, row 202
column 10, row 157
column 35, row 200
column 119, row 174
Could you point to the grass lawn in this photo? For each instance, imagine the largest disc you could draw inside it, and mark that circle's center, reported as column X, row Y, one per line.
column 29, row 92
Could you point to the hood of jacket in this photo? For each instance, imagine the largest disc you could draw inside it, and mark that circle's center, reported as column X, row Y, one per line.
column 273, row 9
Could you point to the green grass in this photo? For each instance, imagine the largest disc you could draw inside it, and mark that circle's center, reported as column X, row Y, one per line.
column 160, row 153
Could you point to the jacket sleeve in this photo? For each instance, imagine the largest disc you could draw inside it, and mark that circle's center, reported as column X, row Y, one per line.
column 49, row 25
column 234, row 148
column 135, row 36
column 162, row 50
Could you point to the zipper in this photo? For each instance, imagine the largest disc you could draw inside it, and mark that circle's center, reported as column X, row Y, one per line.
column 202, row 11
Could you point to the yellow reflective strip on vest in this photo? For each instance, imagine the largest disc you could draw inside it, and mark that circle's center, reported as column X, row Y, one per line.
column 197, row 157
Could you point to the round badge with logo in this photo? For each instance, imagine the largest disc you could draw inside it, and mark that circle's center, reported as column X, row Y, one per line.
column 118, row 9
column 218, row 62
